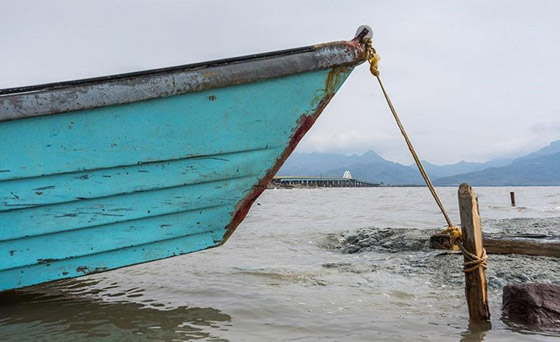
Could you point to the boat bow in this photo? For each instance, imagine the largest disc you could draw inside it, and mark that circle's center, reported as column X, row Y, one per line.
column 109, row 172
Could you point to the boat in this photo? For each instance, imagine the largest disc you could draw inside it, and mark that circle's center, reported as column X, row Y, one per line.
column 108, row 172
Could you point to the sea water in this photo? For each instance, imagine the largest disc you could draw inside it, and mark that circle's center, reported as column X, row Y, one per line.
column 280, row 277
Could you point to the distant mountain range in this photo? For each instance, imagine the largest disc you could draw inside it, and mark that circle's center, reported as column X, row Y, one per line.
column 538, row 168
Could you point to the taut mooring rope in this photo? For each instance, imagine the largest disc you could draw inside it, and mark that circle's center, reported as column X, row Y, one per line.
column 475, row 262
column 373, row 59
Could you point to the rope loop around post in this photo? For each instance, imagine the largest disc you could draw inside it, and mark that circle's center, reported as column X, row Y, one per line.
column 475, row 262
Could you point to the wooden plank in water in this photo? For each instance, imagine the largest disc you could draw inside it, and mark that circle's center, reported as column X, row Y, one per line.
column 505, row 245
column 525, row 246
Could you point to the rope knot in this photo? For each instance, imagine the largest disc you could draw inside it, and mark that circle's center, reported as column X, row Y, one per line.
column 474, row 262
column 372, row 57
column 454, row 233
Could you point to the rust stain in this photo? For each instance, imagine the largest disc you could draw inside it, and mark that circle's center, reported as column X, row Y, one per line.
column 355, row 47
column 333, row 79
column 305, row 122
column 331, row 83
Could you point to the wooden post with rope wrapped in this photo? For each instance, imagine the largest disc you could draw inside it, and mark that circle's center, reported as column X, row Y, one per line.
column 474, row 255
column 469, row 240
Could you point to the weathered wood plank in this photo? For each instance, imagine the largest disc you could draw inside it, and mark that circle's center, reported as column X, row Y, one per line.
column 525, row 246
column 505, row 245
column 475, row 280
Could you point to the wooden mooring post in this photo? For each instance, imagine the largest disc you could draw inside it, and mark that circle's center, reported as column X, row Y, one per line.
column 475, row 279
column 512, row 198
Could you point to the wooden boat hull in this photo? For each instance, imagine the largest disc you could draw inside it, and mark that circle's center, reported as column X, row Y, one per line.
column 85, row 190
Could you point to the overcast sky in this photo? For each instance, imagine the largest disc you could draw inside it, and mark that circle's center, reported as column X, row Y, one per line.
column 472, row 80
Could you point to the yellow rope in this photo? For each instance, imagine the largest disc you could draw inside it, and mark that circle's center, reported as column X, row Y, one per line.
column 454, row 233
column 475, row 262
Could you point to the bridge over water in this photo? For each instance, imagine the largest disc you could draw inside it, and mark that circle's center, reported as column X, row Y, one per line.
column 326, row 182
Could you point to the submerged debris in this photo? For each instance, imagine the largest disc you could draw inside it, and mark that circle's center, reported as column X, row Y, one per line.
column 386, row 239
column 411, row 255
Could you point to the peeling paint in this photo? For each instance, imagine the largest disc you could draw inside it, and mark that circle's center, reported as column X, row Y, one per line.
column 87, row 270
column 45, row 261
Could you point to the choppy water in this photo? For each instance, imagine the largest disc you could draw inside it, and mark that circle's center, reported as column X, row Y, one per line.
column 278, row 278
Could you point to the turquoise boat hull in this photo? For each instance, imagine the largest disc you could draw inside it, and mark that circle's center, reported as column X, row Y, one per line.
column 85, row 190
